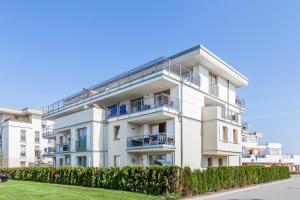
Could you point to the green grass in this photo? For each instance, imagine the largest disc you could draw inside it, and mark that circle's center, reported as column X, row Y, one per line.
column 23, row 190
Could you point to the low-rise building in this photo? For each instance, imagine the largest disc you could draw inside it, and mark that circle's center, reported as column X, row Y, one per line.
column 268, row 154
column 21, row 141
column 180, row 110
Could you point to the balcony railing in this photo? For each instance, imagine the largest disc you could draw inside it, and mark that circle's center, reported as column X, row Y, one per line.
column 150, row 140
column 157, row 65
column 214, row 89
column 49, row 151
column 62, row 148
column 144, row 104
column 48, row 131
column 230, row 115
column 240, row 102
column 80, row 146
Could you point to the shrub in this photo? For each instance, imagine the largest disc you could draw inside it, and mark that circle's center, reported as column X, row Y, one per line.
column 152, row 180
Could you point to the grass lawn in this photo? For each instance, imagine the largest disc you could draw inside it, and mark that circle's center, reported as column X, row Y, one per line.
column 23, row 190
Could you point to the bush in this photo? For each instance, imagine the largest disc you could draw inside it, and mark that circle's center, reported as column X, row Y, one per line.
column 152, row 180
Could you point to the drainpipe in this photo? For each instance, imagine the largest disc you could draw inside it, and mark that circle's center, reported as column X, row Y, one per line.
column 181, row 123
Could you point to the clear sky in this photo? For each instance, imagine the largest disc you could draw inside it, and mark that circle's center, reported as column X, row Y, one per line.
column 51, row 49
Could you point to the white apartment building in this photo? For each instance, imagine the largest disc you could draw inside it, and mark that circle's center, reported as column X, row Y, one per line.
column 21, row 141
column 269, row 154
column 180, row 110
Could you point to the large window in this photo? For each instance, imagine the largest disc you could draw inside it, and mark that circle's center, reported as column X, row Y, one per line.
column 23, row 135
column 116, row 161
column 81, row 142
column 209, row 162
column 235, row 136
column 37, row 137
column 116, row 132
column 225, row 134
column 220, row 162
column 81, row 161
column 23, row 151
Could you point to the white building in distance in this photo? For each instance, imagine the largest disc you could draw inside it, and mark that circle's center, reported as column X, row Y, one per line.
column 21, row 142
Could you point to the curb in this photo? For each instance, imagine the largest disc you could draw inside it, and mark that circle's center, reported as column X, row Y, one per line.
column 223, row 193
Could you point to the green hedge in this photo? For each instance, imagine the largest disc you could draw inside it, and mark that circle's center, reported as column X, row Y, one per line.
column 152, row 180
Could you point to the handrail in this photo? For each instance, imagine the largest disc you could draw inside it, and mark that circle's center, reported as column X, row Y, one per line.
column 143, row 104
column 48, row 131
column 63, row 147
column 150, row 140
column 230, row 115
column 156, row 65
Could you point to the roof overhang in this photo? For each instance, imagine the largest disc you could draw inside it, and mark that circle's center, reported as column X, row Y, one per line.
column 201, row 55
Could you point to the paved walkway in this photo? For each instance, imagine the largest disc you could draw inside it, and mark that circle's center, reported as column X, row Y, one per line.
column 283, row 190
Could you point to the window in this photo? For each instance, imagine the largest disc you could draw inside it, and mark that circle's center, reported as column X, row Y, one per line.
column 225, row 134
column 235, row 136
column 23, row 151
column 37, row 152
column 23, row 164
column 23, row 135
column 81, row 142
column 220, row 162
column 61, row 162
column 37, row 137
column 81, row 161
column 116, row 132
column 209, row 162
column 117, row 161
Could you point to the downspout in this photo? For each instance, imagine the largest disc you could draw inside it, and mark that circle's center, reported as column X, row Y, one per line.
column 181, row 123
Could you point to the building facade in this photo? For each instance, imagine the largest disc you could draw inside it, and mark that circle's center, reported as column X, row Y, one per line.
column 21, row 142
column 181, row 110
column 268, row 154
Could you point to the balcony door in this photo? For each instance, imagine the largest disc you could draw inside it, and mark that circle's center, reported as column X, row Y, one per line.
column 137, row 105
column 212, row 79
column 81, row 138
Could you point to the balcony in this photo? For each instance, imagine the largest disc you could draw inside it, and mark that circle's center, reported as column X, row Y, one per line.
column 214, row 89
column 158, row 142
column 144, row 104
column 131, row 77
column 240, row 102
column 80, row 146
column 221, row 113
column 230, row 115
column 48, row 132
column 49, row 151
column 63, row 148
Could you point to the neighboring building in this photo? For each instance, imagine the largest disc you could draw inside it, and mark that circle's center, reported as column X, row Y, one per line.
column 269, row 154
column 21, row 141
column 182, row 110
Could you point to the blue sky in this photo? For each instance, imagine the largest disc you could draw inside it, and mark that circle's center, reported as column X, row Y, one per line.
column 50, row 49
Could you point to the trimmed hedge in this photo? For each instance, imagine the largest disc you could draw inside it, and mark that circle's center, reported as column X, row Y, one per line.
column 152, row 180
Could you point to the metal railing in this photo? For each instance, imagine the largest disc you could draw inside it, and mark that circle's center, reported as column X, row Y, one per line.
column 150, row 140
column 62, row 148
column 48, row 131
column 230, row 115
column 240, row 102
column 214, row 89
column 49, row 151
column 152, row 67
column 144, row 104
column 80, row 146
